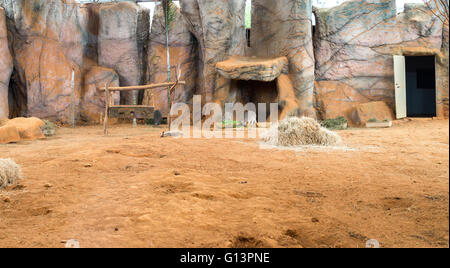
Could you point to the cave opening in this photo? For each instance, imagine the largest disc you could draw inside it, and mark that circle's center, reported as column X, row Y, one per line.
column 17, row 96
column 261, row 93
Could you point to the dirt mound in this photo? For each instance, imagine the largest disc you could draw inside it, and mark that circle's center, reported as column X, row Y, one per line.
column 294, row 131
column 28, row 128
column 9, row 172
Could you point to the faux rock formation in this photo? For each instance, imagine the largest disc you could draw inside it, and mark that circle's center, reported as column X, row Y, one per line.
column 183, row 53
column 47, row 45
column 122, row 41
column 253, row 68
column 28, row 128
column 287, row 101
column 9, row 134
column 284, row 28
column 219, row 27
column 362, row 113
column 354, row 44
column 93, row 102
column 442, row 72
column 335, row 99
column 89, row 22
column 6, row 66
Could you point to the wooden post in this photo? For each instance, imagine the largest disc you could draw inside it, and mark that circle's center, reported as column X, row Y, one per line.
column 172, row 90
column 72, row 99
column 105, row 123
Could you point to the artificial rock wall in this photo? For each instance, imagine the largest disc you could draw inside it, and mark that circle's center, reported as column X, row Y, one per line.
column 284, row 28
column 349, row 57
column 183, row 53
column 45, row 39
column 122, row 41
column 6, row 67
column 354, row 44
column 219, row 28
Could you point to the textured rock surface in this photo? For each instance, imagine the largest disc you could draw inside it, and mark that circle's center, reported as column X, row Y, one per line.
column 89, row 14
column 93, row 100
column 219, row 27
column 28, row 128
column 6, row 66
column 9, row 134
column 253, row 68
column 334, row 99
column 122, row 38
column 47, row 45
column 364, row 112
column 354, row 46
column 284, row 28
column 287, row 101
column 183, row 53
column 442, row 72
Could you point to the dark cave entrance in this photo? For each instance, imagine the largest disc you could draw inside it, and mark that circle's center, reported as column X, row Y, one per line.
column 17, row 96
column 259, row 92
column 421, row 86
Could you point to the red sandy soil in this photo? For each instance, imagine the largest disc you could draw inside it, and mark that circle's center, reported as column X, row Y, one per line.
column 135, row 189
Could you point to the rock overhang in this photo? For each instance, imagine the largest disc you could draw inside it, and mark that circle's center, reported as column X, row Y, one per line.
column 253, row 68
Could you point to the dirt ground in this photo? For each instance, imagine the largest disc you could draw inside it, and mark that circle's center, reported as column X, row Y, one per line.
column 135, row 189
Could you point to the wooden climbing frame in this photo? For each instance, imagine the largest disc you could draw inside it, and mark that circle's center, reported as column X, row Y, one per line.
column 137, row 111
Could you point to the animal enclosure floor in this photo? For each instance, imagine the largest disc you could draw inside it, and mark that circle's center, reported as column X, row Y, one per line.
column 135, row 189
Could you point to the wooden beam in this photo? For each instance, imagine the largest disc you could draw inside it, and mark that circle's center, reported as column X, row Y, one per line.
column 143, row 87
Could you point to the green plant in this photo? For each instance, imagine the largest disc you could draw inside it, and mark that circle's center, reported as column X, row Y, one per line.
column 151, row 121
column 335, row 123
column 171, row 12
column 374, row 120
column 48, row 128
column 232, row 124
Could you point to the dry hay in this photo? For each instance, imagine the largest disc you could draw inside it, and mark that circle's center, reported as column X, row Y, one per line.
column 9, row 172
column 294, row 131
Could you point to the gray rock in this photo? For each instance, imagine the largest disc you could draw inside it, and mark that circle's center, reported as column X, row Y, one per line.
column 122, row 41
column 47, row 44
column 219, row 27
column 6, row 66
column 284, row 28
column 183, row 53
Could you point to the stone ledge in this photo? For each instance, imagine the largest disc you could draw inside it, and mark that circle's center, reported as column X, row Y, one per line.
column 253, row 68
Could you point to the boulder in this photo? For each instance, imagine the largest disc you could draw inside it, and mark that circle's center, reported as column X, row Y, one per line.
column 284, row 28
column 28, row 128
column 183, row 53
column 9, row 134
column 122, row 39
column 253, row 68
column 6, row 66
column 372, row 110
column 335, row 99
column 47, row 45
column 93, row 100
